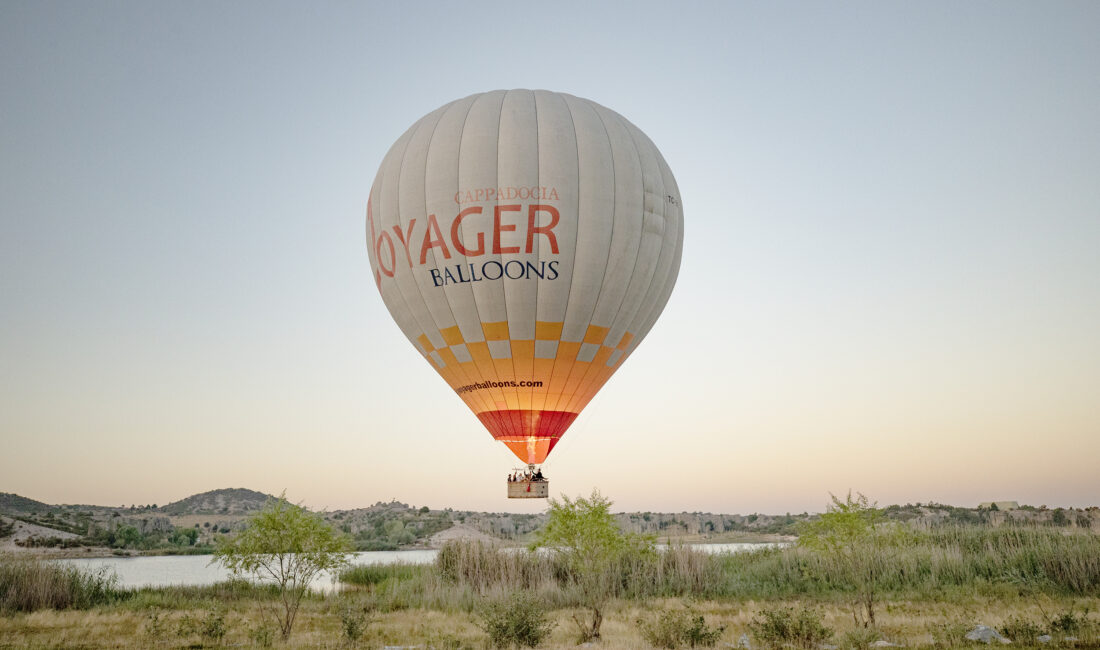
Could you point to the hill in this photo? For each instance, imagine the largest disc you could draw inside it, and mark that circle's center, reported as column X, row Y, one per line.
column 198, row 521
column 227, row 501
column 13, row 503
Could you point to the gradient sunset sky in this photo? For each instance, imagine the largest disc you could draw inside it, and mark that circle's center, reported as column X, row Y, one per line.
column 890, row 278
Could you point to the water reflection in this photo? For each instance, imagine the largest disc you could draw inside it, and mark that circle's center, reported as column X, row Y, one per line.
column 198, row 570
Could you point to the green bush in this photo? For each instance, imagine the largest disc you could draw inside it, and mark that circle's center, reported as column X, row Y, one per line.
column 674, row 628
column 519, row 620
column 781, row 627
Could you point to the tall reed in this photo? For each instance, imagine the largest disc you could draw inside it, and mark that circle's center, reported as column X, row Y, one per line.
column 28, row 584
column 924, row 564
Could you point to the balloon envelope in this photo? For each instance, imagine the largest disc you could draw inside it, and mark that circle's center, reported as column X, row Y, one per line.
column 525, row 242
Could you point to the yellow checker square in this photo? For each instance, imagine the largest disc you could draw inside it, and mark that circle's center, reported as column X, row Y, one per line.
column 595, row 334
column 451, row 335
column 480, row 352
column 448, row 357
column 523, row 352
column 547, row 331
column 602, row 355
column 425, row 343
column 495, row 331
column 567, row 351
column 625, row 341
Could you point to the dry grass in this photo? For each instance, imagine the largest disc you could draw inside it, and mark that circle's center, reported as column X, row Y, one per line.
column 934, row 589
column 912, row 623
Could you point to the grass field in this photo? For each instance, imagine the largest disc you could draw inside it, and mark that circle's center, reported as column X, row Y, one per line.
column 931, row 588
column 321, row 624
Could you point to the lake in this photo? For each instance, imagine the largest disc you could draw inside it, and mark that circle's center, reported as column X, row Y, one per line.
column 168, row 570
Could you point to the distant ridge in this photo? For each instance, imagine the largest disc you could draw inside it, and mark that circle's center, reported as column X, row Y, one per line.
column 227, row 501
column 16, row 504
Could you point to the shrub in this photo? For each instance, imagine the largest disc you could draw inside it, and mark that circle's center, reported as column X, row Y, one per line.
column 186, row 626
column 519, row 620
column 674, row 628
column 1068, row 622
column 1022, row 631
column 784, row 626
column 354, row 617
column 860, row 638
column 212, row 626
column 155, row 626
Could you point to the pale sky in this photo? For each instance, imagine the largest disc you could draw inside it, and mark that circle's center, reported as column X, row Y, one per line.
column 890, row 278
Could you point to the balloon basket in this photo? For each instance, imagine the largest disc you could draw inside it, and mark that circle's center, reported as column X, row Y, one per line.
column 528, row 489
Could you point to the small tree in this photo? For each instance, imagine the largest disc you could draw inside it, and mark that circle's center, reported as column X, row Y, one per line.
column 584, row 534
column 287, row 545
column 853, row 533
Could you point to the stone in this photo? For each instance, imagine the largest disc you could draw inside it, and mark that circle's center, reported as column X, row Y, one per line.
column 1046, row 638
column 985, row 634
column 883, row 643
column 743, row 642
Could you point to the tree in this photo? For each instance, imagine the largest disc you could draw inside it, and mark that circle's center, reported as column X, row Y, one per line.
column 185, row 536
column 287, row 545
column 585, row 536
column 854, row 534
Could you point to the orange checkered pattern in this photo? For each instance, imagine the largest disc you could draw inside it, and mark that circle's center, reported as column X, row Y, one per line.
column 526, row 392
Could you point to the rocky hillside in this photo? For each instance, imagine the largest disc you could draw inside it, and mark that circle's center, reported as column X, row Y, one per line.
column 15, row 504
column 227, row 501
column 199, row 520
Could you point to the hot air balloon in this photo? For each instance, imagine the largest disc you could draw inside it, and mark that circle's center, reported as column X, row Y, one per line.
column 525, row 241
